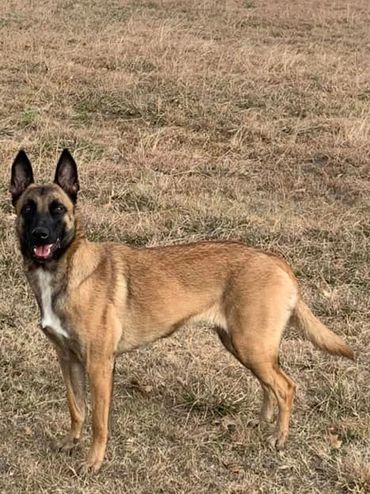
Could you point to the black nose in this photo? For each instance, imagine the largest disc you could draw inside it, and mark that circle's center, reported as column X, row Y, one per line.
column 40, row 234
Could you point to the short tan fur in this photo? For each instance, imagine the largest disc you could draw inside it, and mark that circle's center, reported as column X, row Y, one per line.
column 102, row 299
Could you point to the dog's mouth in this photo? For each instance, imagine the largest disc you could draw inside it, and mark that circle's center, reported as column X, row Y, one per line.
column 45, row 252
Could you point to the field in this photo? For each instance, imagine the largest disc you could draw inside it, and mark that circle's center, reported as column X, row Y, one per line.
column 232, row 119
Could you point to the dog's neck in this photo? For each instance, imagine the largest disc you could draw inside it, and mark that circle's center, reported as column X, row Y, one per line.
column 77, row 259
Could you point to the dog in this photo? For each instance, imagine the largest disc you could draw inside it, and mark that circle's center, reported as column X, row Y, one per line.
column 98, row 300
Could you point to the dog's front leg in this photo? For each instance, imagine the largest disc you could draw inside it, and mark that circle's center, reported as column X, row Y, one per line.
column 74, row 379
column 101, row 382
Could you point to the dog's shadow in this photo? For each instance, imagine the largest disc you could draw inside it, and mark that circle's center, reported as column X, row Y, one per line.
column 178, row 398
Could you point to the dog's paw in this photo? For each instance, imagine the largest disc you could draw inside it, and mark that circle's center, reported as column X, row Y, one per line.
column 89, row 467
column 277, row 441
column 67, row 444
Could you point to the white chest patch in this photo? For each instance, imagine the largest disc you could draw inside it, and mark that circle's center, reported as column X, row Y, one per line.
column 49, row 320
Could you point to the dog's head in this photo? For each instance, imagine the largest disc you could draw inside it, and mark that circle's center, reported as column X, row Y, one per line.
column 45, row 223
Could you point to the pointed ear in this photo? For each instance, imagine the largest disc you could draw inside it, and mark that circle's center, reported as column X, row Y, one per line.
column 22, row 176
column 66, row 175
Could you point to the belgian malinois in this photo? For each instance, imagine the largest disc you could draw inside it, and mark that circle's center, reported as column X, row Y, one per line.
column 98, row 300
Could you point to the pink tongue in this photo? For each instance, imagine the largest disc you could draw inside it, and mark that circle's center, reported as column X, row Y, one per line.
column 43, row 250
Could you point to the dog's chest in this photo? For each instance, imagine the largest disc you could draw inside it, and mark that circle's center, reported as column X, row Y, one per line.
column 50, row 321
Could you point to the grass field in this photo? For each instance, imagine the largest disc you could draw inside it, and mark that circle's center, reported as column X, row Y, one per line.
column 189, row 119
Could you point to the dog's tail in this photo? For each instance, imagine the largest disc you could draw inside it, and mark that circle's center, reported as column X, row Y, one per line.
column 318, row 333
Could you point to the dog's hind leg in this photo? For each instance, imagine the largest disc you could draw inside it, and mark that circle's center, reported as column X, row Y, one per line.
column 255, row 327
column 267, row 408
column 262, row 360
column 74, row 379
column 276, row 381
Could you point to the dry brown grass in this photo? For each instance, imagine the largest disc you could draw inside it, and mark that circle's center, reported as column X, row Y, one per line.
column 196, row 119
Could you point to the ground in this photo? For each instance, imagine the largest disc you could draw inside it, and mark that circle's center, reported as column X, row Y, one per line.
column 189, row 119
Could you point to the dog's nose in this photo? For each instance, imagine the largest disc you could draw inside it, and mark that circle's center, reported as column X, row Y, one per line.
column 40, row 234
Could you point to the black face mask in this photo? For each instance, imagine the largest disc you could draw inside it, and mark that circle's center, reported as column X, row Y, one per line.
column 45, row 236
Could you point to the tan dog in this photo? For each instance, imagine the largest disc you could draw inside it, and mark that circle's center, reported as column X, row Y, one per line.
column 98, row 300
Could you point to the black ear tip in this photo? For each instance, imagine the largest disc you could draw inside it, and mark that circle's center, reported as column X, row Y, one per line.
column 21, row 155
column 66, row 154
column 22, row 160
column 21, row 175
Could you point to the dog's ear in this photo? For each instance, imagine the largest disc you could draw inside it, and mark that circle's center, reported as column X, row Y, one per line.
column 22, row 176
column 66, row 175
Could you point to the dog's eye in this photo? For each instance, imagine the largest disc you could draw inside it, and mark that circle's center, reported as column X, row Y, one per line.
column 28, row 208
column 57, row 208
